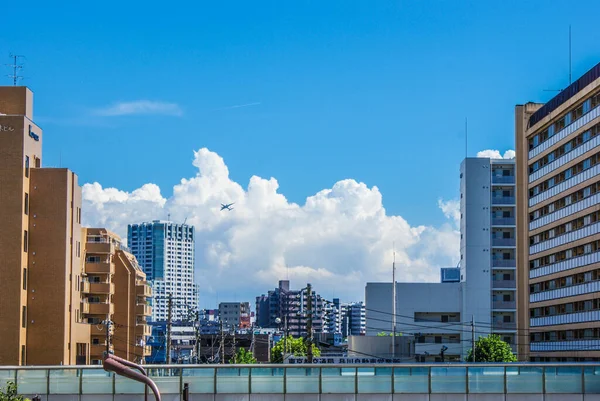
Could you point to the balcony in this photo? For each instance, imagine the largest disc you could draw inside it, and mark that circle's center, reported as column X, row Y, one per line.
column 101, row 308
column 99, row 247
column 504, row 284
column 143, row 290
column 85, row 307
column 145, row 350
column 503, row 179
column 143, row 309
column 85, row 287
column 504, row 263
column 504, row 242
column 99, row 268
column 504, row 305
column 102, row 288
column 503, row 200
column 97, row 349
column 505, row 325
column 143, row 330
column 503, row 221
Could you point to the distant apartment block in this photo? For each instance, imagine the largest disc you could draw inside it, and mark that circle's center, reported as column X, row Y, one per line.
column 235, row 315
column 165, row 250
column 114, row 289
column 289, row 306
column 558, row 192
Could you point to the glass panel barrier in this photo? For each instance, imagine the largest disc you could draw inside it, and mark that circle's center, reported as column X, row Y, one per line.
column 64, row 381
column 524, row 380
column 267, row 380
column 591, row 375
column 32, row 381
column 302, row 380
column 563, row 380
column 6, row 376
column 374, row 380
column 96, row 381
column 448, row 380
column 486, row 380
column 201, row 381
column 124, row 385
column 338, row 380
column 411, row 380
column 233, row 380
column 167, row 380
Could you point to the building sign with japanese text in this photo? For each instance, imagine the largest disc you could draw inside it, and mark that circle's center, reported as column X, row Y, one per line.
column 344, row 360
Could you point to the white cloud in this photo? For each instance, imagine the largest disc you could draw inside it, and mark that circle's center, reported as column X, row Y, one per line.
column 451, row 210
column 495, row 154
column 339, row 239
column 140, row 107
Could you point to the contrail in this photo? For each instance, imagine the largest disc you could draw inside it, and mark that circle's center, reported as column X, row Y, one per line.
column 237, row 106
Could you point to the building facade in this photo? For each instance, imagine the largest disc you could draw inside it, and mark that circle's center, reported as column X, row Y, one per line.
column 40, row 246
column 353, row 320
column 114, row 290
column 488, row 247
column 165, row 250
column 558, row 180
column 290, row 307
column 235, row 315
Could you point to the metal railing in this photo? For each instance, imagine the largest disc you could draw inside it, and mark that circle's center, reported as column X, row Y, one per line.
column 504, row 242
column 504, row 284
column 441, row 378
column 505, row 325
column 504, row 263
column 503, row 179
column 503, row 200
column 503, row 221
column 504, row 305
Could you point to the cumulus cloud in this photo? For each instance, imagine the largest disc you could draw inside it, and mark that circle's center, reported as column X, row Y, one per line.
column 495, row 154
column 338, row 239
column 140, row 107
column 451, row 210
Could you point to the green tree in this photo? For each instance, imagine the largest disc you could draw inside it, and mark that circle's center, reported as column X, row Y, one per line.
column 386, row 334
column 243, row 357
column 491, row 349
column 10, row 394
column 295, row 346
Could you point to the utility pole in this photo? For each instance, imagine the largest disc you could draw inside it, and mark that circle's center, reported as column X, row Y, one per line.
column 169, row 324
column 285, row 336
column 233, row 347
column 222, row 347
column 107, row 324
column 309, row 329
column 394, row 303
column 252, row 343
column 473, row 336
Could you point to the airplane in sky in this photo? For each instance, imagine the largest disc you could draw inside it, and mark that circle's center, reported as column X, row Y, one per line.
column 227, row 206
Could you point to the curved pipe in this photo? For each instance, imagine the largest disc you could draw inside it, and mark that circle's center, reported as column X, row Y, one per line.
column 111, row 364
column 129, row 364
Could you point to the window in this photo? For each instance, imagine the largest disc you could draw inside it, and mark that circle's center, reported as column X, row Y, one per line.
column 26, row 166
column 26, row 206
column 24, row 317
column 23, row 362
column 25, row 241
column 25, row 279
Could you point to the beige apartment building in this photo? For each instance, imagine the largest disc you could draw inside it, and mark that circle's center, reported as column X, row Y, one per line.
column 44, row 285
column 558, row 224
column 115, row 290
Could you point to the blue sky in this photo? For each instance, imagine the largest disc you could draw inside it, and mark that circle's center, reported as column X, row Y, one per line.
column 373, row 90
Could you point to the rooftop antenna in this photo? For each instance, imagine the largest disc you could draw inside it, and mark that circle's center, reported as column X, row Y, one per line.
column 466, row 137
column 394, row 301
column 15, row 66
column 570, row 70
column 168, row 216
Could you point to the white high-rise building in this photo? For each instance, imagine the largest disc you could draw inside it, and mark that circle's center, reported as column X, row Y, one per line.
column 488, row 246
column 165, row 250
column 481, row 292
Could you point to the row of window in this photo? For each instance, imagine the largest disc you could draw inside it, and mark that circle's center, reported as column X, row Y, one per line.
column 567, row 281
column 572, row 225
column 565, row 175
column 564, row 255
column 563, row 309
column 566, row 335
column 566, row 148
column 565, row 120
column 566, row 201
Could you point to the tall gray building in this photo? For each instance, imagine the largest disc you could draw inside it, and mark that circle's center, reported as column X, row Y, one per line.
column 165, row 250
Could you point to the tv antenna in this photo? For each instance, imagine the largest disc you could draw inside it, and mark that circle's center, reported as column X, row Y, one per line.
column 570, row 70
column 15, row 68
